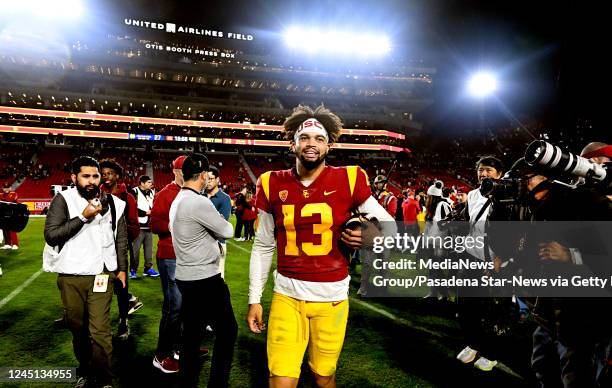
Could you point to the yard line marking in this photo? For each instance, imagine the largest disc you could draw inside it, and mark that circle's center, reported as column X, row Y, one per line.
column 18, row 290
column 239, row 247
column 376, row 309
column 385, row 313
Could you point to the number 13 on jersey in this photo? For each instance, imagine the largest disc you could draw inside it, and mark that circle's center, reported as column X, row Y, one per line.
column 323, row 229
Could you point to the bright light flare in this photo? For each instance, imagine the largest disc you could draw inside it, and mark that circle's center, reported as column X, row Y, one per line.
column 314, row 40
column 482, row 84
column 46, row 9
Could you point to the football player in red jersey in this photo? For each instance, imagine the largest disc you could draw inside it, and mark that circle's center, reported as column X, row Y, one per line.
column 302, row 211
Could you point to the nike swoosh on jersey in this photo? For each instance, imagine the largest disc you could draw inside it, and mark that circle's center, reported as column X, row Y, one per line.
column 329, row 192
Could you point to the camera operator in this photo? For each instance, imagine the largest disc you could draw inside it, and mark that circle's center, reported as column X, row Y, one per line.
column 474, row 310
column 386, row 198
column 599, row 153
column 87, row 244
column 568, row 328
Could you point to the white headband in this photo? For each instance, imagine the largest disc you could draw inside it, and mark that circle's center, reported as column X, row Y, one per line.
column 311, row 126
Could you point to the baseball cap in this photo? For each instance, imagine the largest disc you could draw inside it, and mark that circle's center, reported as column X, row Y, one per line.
column 177, row 164
column 194, row 164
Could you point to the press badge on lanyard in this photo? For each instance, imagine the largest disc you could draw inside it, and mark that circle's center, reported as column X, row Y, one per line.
column 100, row 283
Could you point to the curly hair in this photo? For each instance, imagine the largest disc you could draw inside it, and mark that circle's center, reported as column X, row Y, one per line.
column 113, row 165
column 301, row 113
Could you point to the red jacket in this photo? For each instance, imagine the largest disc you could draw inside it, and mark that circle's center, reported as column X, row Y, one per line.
column 250, row 211
column 131, row 215
column 410, row 209
column 160, row 220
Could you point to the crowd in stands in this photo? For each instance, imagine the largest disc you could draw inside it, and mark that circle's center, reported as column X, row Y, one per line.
column 448, row 159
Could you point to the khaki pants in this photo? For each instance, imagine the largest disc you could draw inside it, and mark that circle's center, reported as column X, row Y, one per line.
column 88, row 318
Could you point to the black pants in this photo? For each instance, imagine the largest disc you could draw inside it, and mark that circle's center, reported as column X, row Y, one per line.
column 123, row 298
column 207, row 301
column 560, row 365
column 239, row 224
column 123, row 295
column 249, row 230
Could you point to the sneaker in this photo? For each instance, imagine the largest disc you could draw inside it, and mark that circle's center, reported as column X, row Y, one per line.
column 150, row 272
column 209, row 329
column 485, row 364
column 6, row 247
column 133, row 274
column 81, row 382
column 135, row 305
column 167, row 365
column 123, row 332
column 14, row 247
column 467, row 355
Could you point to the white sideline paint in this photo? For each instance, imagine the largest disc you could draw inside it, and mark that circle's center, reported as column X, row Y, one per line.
column 18, row 290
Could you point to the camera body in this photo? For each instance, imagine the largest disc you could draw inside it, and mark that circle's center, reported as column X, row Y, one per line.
column 13, row 216
column 506, row 189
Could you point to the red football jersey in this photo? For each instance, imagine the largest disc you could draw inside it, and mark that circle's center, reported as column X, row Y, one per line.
column 309, row 219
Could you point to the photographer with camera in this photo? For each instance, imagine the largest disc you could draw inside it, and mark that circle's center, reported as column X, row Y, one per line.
column 475, row 310
column 599, row 153
column 568, row 328
column 87, row 245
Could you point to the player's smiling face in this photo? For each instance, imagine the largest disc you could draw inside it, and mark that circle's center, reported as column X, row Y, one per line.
column 311, row 149
column 109, row 177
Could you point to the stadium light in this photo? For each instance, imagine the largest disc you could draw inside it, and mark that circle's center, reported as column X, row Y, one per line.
column 47, row 9
column 482, row 84
column 314, row 40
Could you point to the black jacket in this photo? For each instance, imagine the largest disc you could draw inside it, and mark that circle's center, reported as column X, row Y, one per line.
column 574, row 319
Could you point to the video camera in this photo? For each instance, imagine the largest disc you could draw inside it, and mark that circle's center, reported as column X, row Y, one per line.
column 13, row 216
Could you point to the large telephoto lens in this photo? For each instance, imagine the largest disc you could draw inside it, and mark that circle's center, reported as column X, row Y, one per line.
column 555, row 159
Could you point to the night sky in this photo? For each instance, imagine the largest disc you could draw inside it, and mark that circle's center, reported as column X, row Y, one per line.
column 549, row 55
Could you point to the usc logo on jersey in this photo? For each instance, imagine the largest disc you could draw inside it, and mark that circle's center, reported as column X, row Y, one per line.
column 283, row 195
column 305, row 193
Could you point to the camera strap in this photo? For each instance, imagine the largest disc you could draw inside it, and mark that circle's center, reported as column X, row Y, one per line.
column 482, row 210
column 111, row 205
column 487, row 253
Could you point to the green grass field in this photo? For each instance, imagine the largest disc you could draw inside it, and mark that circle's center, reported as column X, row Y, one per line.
column 390, row 342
